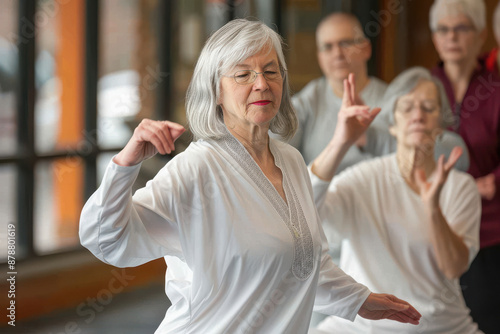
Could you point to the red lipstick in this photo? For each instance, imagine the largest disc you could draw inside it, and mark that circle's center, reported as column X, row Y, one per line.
column 261, row 102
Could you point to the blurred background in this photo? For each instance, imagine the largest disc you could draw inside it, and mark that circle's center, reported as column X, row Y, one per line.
column 76, row 77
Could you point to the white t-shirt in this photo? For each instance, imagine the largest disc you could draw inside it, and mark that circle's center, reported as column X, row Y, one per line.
column 387, row 245
column 240, row 259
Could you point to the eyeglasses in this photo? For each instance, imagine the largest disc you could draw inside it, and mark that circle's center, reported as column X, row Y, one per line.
column 246, row 77
column 343, row 44
column 460, row 29
column 408, row 106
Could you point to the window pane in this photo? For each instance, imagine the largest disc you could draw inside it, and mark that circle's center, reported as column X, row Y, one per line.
column 118, row 87
column 58, row 204
column 59, row 75
column 8, row 76
column 8, row 180
column 301, row 19
column 186, row 48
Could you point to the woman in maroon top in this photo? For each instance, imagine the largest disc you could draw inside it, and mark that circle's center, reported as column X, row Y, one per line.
column 459, row 31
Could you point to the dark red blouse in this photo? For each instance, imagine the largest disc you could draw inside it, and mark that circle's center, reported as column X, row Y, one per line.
column 478, row 122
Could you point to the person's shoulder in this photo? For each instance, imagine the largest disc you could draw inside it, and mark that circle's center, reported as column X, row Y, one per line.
column 378, row 83
column 373, row 93
column 312, row 87
column 195, row 157
column 460, row 191
column 460, row 181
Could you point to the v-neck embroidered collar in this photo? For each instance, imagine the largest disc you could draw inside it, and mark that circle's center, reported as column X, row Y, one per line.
column 292, row 214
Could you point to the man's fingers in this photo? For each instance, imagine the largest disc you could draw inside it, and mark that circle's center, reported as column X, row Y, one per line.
column 375, row 111
column 352, row 86
column 358, row 111
column 346, row 99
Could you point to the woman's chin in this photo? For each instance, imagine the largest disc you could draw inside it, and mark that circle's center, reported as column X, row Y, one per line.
column 420, row 141
column 263, row 118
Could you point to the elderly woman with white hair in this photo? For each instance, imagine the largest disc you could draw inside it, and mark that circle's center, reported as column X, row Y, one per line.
column 409, row 224
column 233, row 215
column 458, row 32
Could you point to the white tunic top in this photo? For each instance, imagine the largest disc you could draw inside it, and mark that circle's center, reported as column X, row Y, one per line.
column 240, row 260
column 387, row 244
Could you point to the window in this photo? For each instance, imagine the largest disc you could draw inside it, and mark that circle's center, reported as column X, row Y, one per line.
column 8, row 118
column 87, row 73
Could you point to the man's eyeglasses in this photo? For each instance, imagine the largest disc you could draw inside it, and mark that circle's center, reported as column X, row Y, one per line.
column 343, row 44
column 245, row 77
column 461, row 29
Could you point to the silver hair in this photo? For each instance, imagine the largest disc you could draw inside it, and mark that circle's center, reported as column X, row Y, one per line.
column 474, row 9
column 405, row 83
column 230, row 45
column 496, row 23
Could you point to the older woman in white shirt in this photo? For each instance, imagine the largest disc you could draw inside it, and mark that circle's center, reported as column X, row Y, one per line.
column 409, row 223
column 233, row 215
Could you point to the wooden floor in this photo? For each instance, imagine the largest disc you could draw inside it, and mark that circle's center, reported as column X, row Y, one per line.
column 139, row 312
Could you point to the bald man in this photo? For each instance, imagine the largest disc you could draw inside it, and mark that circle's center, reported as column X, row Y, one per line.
column 342, row 48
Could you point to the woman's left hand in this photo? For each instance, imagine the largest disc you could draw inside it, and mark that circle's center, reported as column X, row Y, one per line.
column 430, row 191
column 383, row 306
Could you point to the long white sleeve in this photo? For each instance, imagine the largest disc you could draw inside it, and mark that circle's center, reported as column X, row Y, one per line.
column 120, row 230
column 338, row 293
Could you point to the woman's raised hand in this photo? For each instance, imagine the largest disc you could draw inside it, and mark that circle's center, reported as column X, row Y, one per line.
column 430, row 191
column 354, row 117
column 150, row 137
